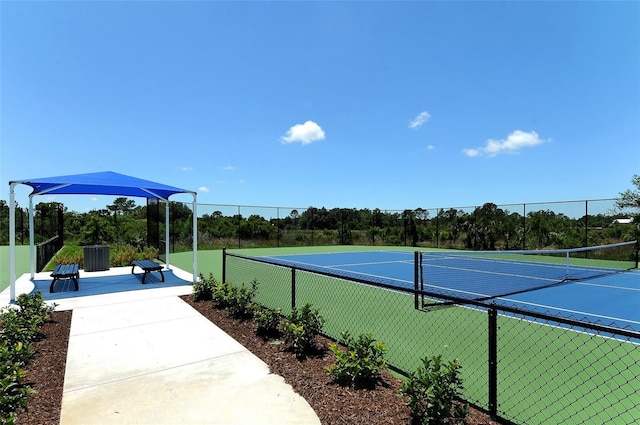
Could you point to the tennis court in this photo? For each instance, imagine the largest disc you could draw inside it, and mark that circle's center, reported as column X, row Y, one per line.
column 546, row 370
column 588, row 289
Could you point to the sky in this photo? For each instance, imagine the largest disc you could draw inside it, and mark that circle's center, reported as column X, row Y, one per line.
column 390, row 105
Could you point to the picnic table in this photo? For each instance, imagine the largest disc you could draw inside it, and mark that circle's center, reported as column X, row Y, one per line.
column 147, row 266
column 65, row 271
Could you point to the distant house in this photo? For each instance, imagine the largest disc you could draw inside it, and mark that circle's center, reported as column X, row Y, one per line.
column 623, row 221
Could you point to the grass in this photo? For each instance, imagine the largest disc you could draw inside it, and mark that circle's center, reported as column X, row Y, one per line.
column 69, row 251
column 22, row 263
column 208, row 262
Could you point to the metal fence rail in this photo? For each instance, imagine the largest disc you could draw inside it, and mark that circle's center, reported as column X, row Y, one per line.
column 523, row 367
column 46, row 250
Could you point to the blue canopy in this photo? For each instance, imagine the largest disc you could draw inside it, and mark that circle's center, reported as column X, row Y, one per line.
column 104, row 183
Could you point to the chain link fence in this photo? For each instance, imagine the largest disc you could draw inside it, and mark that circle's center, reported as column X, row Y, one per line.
column 522, row 367
column 566, row 224
column 564, row 370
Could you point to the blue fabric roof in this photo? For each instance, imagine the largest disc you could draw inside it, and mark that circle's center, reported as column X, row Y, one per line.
column 104, row 183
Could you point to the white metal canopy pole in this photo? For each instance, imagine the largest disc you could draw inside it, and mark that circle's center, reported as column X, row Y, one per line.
column 32, row 247
column 12, row 243
column 195, row 238
column 166, row 235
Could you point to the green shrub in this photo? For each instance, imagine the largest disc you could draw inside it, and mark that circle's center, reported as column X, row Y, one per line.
column 204, row 288
column 16, row 328
column 16, row 333
column 124, row 256
column 70, row 258
column 150, row 253
column 240, row 300
column 432, row 391
column 222, row 294
column 14, row 393
column 360, row 364
column 34, row 308
column 19, row 326
column 237, row 300
column 300, row 329
column 267, row 322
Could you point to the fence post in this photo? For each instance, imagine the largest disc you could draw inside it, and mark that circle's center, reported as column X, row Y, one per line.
column 415, row 279
column 404, row 226
column 312, row 228
column 224, row 264
column 341, row 227
column 586, row 225
column 493, row 361
column 61, row 225
column 239, row 223
column 293, row 288
column 524, row 226
column 437, row 228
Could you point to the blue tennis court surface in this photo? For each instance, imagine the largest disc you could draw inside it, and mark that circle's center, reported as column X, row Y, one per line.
column 611, row 299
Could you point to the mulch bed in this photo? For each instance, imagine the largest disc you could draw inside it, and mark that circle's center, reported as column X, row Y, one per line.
column 334, row 404
column 45, row 372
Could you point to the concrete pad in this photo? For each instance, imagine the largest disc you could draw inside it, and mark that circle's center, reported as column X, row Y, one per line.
column 216, row 391
column 73, row 303
column 147, row 357
column 102, row 287
column 23, row 286
column 128, row 313
column 142, row 347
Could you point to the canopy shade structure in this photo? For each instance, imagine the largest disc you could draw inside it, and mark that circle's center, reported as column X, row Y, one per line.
column 102, row 183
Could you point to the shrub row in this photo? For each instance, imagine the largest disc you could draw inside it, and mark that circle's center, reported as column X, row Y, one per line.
column 121, row 257
column 431, row 390
column 19, row 328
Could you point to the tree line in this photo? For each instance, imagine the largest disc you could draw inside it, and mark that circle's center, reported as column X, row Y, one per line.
column 487, row 227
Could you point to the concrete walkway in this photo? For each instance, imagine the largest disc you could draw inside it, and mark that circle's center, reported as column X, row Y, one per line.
column 147, row 357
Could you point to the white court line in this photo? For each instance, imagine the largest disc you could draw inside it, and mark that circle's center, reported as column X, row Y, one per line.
column 369, row 263
column 600, row 285
column 564, row 310
column 525, row 276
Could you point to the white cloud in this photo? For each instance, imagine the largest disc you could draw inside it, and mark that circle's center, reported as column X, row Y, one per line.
column 186, row 168
column 306, row 133
column 241, row 181
column 229, row 168
column 419, row 120
column 514, row 143
column 431, row 147
column 93, row 199
column 203, row 189
column 472, row 152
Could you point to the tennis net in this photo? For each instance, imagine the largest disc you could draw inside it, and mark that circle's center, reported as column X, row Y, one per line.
column 481, row 275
